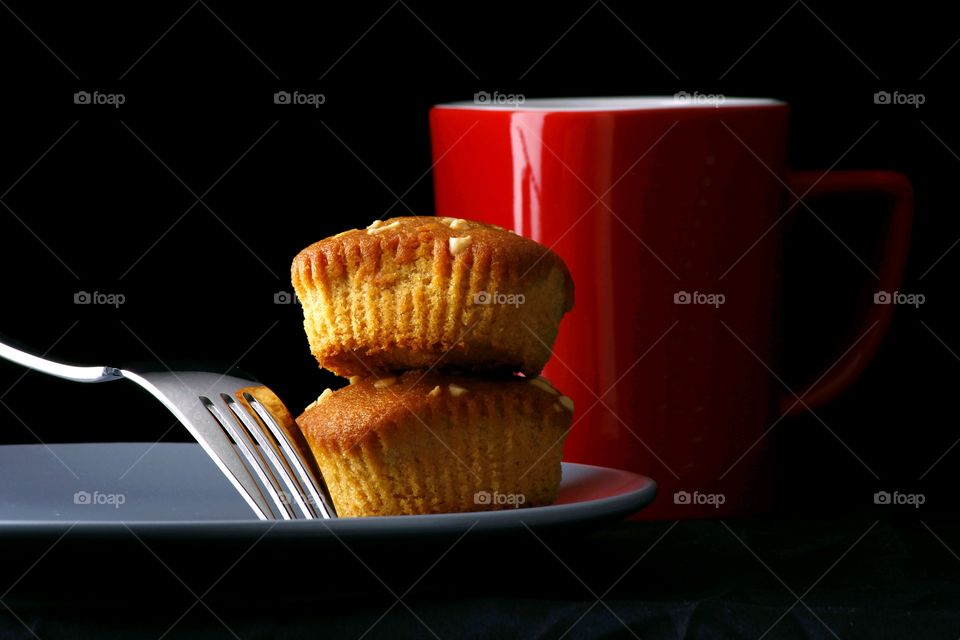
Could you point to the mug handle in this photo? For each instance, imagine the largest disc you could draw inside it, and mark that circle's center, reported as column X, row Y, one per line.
column 890, row 272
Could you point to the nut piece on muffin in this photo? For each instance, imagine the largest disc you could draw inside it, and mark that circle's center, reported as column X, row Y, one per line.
column 434, row 443
column 408, row 292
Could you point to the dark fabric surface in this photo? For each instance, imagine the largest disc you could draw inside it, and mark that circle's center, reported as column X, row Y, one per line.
column 850, row 576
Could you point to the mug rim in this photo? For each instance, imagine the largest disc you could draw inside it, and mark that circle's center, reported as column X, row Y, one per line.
column 581, row 104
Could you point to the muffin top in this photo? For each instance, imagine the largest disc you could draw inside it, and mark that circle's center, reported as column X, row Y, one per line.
column 367, row 405
column 409, row 237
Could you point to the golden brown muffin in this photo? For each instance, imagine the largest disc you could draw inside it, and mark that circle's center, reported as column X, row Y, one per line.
column 435, row 443
column 407, row 293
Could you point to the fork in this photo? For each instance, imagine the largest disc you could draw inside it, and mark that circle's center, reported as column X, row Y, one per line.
column 242, row 425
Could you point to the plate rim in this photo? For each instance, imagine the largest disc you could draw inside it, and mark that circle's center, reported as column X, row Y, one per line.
column 610, row 508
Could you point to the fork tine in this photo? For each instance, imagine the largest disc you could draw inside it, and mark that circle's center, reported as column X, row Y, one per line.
column 251, row 455
column 286, row 436
column 269, row 447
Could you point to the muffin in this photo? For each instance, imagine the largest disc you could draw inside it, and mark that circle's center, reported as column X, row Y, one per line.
column 422, row 292
column 435, row 443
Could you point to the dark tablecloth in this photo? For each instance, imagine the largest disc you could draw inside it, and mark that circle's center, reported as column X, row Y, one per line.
column 849, row 576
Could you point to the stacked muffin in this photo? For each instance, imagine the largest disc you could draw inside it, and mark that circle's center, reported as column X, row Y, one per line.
column 443, row 326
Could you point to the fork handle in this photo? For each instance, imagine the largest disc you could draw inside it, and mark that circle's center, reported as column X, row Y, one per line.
column 58, row 369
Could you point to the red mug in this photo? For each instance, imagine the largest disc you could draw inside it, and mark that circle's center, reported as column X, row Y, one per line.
column 669, row 214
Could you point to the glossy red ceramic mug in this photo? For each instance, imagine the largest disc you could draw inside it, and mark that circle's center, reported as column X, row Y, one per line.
column 669, row 213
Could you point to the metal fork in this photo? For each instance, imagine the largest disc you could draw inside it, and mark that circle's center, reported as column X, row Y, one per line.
column 242, row 425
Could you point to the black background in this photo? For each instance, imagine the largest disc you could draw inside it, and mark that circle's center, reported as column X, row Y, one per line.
column 104, row 199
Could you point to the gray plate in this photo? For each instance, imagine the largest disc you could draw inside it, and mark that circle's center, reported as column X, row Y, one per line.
column 174, row 490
